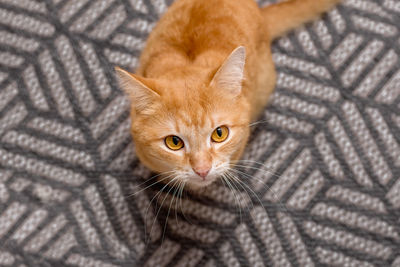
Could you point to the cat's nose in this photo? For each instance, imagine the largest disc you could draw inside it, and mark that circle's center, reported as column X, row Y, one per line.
column 202, row 172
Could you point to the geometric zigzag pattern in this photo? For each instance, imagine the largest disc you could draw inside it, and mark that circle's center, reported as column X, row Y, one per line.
column 324, row 158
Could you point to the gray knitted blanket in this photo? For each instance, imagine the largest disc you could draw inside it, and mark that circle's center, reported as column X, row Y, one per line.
column 322, row 184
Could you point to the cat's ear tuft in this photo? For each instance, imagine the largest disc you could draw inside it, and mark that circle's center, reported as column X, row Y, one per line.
column 140, row 95
column 230, row 75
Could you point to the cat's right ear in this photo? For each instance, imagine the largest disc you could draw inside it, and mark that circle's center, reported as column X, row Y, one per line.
column 230, row 75
column 141, row 96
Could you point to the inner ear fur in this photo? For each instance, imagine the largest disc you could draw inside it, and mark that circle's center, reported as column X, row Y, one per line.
column 141, row 95
column 229, row 76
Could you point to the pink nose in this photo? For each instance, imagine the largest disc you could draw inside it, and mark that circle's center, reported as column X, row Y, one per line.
column 202, row 172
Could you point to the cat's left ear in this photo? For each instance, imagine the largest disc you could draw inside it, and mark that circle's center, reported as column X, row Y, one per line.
column 230, row 75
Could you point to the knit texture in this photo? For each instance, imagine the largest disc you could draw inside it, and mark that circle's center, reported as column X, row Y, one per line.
column 325, row 190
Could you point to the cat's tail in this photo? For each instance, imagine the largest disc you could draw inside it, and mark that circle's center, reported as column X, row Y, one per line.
column 285, row 16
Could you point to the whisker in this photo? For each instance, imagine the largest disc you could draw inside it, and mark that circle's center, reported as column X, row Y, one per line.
column 255, row 168
column 252, row 177
column 247, row 161
column 159, row 209
column 258, row 122
column 165, row 185
column 255, row 194
column 271, row 174
column 176, row 202
column 147, row 209
column 180, row 202
column 238, row 191
column 155, row 176
column 169, row 208
column 249, row 188
column 252, row 161
column 236, row 179
column 234, row 195
column 264, row 184
column 141, row 190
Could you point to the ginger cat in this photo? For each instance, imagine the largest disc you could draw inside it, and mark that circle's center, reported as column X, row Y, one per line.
column 205, row 74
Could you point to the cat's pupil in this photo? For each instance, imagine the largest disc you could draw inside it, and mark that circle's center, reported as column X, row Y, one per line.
column 219, row 131
column 175, row 140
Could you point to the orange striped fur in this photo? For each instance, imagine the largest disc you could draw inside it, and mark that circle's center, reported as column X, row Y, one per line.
column 207, row 63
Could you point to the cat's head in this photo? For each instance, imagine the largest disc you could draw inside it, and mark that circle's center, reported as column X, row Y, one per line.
column 192, row 126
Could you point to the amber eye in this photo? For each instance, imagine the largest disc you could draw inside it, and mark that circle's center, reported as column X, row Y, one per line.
column 173, row 142
column 220, row 134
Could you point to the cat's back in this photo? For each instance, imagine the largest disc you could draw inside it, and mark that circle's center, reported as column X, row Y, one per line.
column 191, row 27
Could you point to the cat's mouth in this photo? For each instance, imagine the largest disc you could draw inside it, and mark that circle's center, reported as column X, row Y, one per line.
column 192, row 180
column 198, row 182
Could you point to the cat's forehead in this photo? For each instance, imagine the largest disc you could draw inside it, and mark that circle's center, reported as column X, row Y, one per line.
column 194, row 106
column 195, row 118
column 191, row 108
column 190, row 115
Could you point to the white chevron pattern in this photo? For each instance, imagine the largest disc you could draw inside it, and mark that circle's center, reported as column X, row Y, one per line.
column 321, row 186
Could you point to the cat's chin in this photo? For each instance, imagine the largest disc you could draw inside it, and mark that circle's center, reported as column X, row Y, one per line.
column 196, row 184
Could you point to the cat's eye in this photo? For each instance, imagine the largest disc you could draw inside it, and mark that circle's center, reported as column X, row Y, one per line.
column 173, row 142
column 220, row 134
